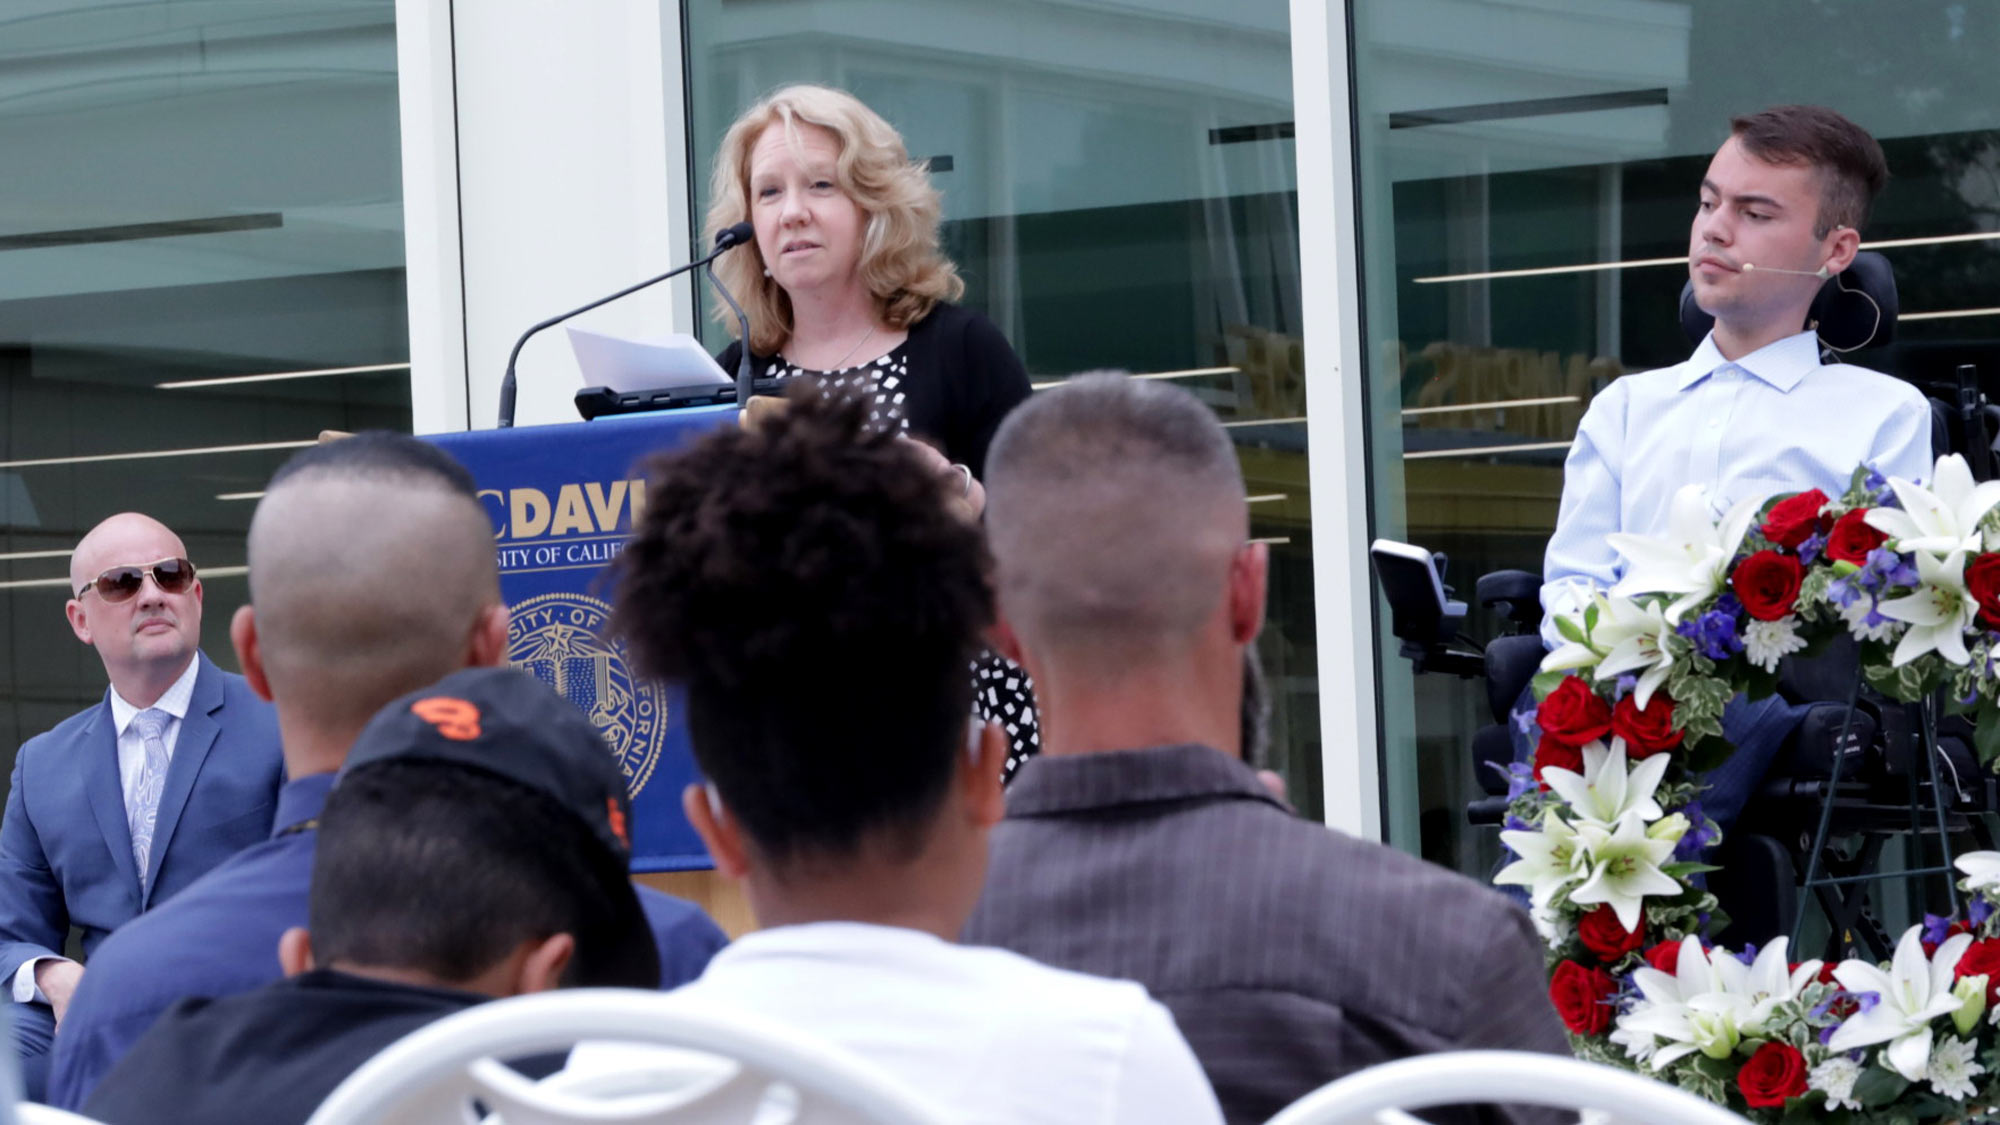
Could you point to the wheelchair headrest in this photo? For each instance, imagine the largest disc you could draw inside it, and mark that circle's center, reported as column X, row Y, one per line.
column 1855, row 308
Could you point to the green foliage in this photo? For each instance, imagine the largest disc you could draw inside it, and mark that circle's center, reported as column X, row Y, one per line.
column 1546, row 682
column 1909, row 683
column 1570, row 630
column 1878, row 1086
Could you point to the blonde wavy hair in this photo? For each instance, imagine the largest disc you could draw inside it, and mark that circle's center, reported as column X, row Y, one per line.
column 900, row 260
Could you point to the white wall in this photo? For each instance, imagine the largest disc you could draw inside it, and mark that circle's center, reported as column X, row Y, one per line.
column 567, row 175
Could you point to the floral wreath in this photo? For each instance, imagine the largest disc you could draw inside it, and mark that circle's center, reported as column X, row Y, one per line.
column 1607, row 831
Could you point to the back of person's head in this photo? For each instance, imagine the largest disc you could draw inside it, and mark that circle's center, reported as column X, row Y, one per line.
column 1847, row 161
column 371, row 570
column 1114, row 507
column 808, row 587
column 444, row 870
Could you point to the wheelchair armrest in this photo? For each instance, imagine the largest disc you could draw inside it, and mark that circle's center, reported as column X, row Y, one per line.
column 1514, row 594
column 1511, row 661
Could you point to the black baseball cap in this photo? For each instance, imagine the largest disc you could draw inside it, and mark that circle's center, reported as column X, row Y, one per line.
column 508, row 723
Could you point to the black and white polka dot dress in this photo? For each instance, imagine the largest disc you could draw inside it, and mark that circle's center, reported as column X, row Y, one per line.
column 1002, row 692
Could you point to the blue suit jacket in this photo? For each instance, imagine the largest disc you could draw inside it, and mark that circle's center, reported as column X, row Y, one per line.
column 65, row 851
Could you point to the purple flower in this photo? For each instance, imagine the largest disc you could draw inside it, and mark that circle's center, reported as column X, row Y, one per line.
column 1937, row 927
column 1524, row 721
column 1878, row 487
column 1810, row 550
column 1978, row 911
column 1625, row 685
column 1843, row 591
column 1893, row 569
column 1698, row 838
column 1516, row 824
column 1713, row 634
column 1748, row 955
column 1520, row 778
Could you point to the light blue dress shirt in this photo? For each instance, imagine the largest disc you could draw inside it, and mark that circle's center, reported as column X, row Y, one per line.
column 1777, row 420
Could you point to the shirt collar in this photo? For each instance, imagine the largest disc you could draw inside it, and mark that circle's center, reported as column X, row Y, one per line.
column 1781, row 363
column 1055, row 784
column 174, row 701
column 300, row 801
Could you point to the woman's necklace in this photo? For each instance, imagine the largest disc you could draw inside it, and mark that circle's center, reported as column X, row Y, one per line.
column 842, row 361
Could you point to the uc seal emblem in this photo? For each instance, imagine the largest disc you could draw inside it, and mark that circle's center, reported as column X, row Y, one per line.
column 557, row 638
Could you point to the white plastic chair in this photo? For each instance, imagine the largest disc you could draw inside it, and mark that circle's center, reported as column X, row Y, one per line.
column 35, row 1113
column 1380, row 1093
column 436, row 1073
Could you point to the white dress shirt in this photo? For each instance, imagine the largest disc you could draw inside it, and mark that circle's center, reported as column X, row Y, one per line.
column 1777, row 420
column 131, row 764
column 986, row 1036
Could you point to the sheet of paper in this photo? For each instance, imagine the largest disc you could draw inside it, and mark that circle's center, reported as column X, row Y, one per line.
column 633, row 364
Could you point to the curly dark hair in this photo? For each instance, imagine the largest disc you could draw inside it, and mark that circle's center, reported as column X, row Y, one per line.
column 809, row 589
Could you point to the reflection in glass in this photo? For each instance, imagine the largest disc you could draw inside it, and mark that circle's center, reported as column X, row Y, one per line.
column 196, row 192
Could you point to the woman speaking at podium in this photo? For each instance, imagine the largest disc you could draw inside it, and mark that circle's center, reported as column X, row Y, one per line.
column 845, row 284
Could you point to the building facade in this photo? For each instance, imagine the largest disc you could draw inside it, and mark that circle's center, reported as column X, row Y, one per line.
column 1396, row 244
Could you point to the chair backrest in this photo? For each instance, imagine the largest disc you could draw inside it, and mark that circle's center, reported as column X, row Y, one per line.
column 438, row 1072
column 1506, row 1077
column 35, row 1113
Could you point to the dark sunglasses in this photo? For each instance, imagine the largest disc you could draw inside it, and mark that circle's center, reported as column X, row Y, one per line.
column 121, row 583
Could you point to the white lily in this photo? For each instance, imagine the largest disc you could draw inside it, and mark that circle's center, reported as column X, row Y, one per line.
column 1711, row 1003
column 1941, row 519
column 1982, row 871
column 1638, row 643
column 1607, row 790
column 1938, row 613
column 1551, row 858
column 1692, row 559
column 1914, row 992
column 1624, row 869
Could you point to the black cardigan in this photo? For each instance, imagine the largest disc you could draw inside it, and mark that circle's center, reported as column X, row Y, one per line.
column 964, row 378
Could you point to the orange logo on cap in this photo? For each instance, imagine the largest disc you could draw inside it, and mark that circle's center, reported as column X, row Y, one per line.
column 617, row 817
column 456, row 719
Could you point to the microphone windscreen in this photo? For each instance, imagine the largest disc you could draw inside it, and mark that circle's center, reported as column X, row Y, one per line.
column 734, row 235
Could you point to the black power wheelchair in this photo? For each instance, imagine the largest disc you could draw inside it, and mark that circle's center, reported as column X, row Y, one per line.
column 1859, row 775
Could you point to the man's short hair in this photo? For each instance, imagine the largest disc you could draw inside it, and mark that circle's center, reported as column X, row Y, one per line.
column 1846, row 160
column 371, row 563
column 445, row 869
column 1114, row 506
column 809, row 588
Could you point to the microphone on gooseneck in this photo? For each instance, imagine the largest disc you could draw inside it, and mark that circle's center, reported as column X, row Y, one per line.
column 742, row 324
column 724, row 239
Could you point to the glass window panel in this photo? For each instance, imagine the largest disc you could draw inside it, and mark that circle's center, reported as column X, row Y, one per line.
column 1120, row 193
column 195, row 191
column 1495, row 136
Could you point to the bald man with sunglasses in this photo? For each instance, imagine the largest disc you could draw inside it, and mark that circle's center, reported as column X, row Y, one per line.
column 125, row 803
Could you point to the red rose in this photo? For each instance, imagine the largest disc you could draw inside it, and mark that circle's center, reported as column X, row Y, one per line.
column 1562, row 757
column 1983, row 957
column 1851, row 538
column 1645, row 732
column 1602, row 933
column 1982, row 581
column 1767, row 583
column 1573, row 714
column 1582, row 997
column 1665, row 957
column 1776, row 1072
column 1792, row 521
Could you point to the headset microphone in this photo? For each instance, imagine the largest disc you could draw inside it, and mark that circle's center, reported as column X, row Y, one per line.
column 1822, row 273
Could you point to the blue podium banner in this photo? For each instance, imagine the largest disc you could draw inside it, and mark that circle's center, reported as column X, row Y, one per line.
column 563, row 499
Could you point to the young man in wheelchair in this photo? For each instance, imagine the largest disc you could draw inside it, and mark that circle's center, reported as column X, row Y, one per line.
column 1753, row 412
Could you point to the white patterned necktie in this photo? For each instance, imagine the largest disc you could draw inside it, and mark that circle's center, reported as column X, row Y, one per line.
column 144, row 811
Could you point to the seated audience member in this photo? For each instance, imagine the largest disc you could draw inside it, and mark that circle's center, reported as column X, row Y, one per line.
column 473, row 847
column 177, row 752
column 372, row 574
column 807, row 587
column 1140, row 844
column 1753, row 411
